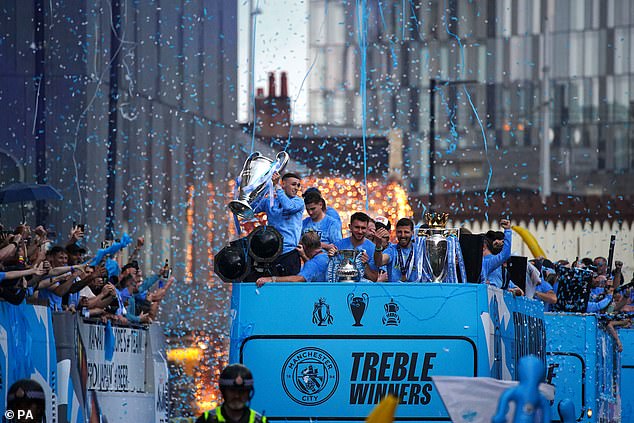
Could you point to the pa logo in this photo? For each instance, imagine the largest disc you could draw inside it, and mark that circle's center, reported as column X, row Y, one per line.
column 310, row 376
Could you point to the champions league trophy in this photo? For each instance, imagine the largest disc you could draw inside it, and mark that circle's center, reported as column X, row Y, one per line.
column 345, row 266
column 438, row 250
column 254, row 182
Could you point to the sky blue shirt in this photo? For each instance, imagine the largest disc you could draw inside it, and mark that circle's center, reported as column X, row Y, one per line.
column 393, row 267
column 54, row 301
column 333, row 213
column 367, row 245
column 327, row 228
column 492, row 264
column 315, row 269
column 285, row 216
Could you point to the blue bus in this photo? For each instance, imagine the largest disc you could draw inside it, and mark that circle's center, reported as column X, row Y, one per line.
column 330, row 352
column 583, row 366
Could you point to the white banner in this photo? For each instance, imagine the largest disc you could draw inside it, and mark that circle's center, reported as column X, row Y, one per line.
column 126, row 371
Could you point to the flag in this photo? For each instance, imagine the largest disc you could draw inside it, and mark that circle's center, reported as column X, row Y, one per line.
column 475, row 399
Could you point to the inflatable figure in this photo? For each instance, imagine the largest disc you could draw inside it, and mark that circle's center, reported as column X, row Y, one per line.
column 566, row 409
column 526, row 396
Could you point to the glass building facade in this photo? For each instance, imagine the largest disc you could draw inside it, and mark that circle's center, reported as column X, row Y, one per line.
column 518, row 72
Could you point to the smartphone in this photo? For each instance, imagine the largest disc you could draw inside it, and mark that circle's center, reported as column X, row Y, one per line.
column 81, row 226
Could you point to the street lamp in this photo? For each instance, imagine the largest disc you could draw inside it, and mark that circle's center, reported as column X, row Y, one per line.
column 433, row 83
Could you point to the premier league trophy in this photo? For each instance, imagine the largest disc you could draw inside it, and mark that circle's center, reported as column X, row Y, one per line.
column 345, row 266
column 255, row 181
column 439, row 251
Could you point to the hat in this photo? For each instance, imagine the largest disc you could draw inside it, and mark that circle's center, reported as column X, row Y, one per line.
column 382, row 222
column 133, row 264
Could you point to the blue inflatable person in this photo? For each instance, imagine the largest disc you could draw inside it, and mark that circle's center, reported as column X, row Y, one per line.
column 566, row 411
column 530, row 404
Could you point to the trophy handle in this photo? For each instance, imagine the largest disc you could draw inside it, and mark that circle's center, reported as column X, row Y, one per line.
column 350, row 297
column 282, row 159
column 366, row 298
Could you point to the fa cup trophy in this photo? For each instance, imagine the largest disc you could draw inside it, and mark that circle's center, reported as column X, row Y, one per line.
column 439, row 250
column 345, row 266
column 254, row 182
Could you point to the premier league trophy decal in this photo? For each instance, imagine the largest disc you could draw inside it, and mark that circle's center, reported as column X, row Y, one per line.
column 255, row 181
column 357, row 306
column 345, row 266
column 439, row 251
column 321, row 313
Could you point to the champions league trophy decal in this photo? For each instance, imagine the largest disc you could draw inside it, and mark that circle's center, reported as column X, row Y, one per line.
column 345, row 266
column 439, row 251
column 357, row 307
column 255, row 181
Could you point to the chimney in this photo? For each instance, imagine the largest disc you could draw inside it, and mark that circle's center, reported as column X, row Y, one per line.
column 273, row 113
column 272, row 92
column 284, row 83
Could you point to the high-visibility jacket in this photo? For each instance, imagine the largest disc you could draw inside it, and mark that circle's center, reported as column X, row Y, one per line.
column 216, row 416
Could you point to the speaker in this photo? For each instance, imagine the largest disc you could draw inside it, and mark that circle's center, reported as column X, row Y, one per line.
column 516, row 271
column 265, row 244
column 233, row 262
column 471, row 246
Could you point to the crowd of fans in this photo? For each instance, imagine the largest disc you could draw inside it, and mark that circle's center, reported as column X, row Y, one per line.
column 67, row 279
column 585, row 285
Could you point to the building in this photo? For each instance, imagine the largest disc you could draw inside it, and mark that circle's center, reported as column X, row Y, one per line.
column 145, row 94
column 518, row 73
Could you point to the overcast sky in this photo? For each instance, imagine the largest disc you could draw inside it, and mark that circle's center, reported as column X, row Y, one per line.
column 280, row 45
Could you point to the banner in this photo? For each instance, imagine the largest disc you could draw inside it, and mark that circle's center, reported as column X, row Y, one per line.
column 123, row 373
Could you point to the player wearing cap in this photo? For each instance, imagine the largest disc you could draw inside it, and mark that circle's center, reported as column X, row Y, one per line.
column 236, row 386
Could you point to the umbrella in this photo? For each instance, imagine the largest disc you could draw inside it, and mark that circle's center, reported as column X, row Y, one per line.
column 21, row 192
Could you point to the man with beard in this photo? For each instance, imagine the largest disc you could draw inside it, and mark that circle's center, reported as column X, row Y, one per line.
column 357, row 241
column 236, row 386
column 399, row 257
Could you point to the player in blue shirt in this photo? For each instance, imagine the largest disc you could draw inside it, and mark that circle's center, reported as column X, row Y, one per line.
column 314, row 269
column 357, row 241
column 327, row 227
column 492, row 263
column 285, row 215
column 399, row 258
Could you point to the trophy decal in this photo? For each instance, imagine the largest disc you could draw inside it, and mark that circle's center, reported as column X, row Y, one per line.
column 439, row 250
column 357, row 306
column 254, row 182
column 321, row 313
column 391, row 317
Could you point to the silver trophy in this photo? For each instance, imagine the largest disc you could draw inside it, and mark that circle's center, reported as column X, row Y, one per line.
column 435, row 237
column 347, row 270
column 255, row 177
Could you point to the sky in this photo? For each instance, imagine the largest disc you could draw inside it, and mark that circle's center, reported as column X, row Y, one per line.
column 281, row 44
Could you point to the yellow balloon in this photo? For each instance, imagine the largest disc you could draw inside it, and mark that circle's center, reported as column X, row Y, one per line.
column 530, row 241
column 384, row 411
